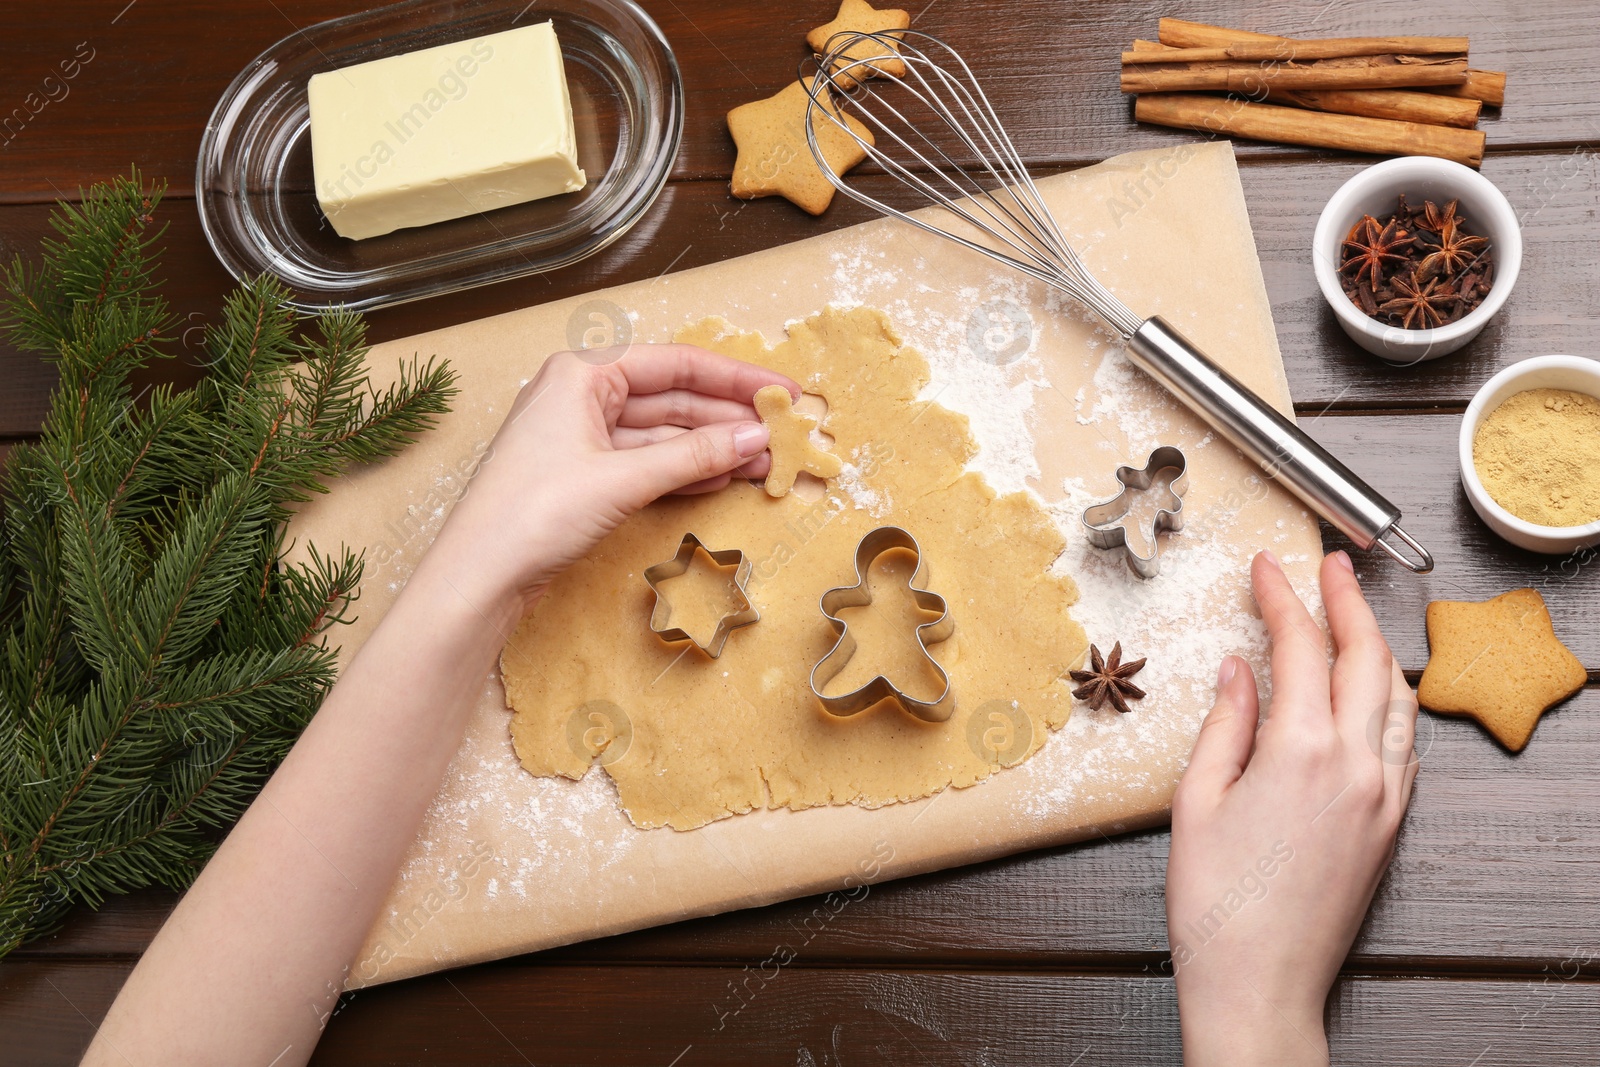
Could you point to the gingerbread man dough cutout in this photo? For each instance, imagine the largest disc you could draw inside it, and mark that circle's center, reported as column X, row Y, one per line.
column 791, row 447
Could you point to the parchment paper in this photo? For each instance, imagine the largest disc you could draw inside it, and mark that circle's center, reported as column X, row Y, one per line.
column 507, row 863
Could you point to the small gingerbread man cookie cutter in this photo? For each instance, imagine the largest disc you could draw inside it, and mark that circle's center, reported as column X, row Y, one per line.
column 1104, row 522
column 661, row 615
column 874, row 544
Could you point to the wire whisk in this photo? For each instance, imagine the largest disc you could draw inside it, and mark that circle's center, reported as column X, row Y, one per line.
column 935, row 131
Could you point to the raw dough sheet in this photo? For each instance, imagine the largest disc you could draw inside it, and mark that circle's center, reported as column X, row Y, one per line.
column 509, row 863
column 688, row 738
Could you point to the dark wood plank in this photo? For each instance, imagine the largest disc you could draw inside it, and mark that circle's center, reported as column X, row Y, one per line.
column 832, row 1017
column 150, row 85
column 1552, row 310
column 814, row 1015
column 122, row 927
column 153, row 74
column 50, row 1011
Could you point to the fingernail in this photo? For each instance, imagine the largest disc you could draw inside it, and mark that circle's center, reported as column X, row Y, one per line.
column 1271, row 558
column 1225, row 673
column 1342, row 558
column 749, row 439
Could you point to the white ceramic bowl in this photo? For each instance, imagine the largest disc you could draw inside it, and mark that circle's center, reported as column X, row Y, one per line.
column 1577, row 373
column 1374, row 191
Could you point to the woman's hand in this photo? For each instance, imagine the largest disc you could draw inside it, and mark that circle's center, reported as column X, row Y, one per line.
column 594, row 437
column 1281, row 834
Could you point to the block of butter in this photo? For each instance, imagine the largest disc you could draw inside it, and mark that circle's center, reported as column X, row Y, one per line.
column 443, row 132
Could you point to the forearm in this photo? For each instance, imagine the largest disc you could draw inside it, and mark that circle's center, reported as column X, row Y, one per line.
column 256, row 954
column 251, row 962
column 1248, row 1030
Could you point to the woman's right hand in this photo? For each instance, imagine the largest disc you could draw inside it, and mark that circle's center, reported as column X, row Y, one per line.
column 1280, row 834
column 594, row 437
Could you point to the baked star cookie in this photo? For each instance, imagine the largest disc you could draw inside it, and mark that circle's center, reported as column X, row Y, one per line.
column 858, row 16
column 1499, row 662
column 774, row 159
column 790, row 444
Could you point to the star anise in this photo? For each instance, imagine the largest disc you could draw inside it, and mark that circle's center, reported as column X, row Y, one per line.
column 1107, row 680
column 1375, row 248
column 1455, row 252
column 1422, row 302
column 1438, row 219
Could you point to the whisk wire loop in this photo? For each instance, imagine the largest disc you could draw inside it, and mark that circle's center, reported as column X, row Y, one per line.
column 935, row 131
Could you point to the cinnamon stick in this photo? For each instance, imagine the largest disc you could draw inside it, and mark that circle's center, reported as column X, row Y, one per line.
column 1379, row 72
column 1434, row 108
column 1488, row 86
column 1288, row 50
column 1485, row 85
column 1268, row 122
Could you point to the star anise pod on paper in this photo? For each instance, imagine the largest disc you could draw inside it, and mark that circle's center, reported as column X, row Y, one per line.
column 1424, row 303
column 1107, row 680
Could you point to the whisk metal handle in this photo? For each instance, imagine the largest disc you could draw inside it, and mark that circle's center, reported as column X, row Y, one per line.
column 1281, row 448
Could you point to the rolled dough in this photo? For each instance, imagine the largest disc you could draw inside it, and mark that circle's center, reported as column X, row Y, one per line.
column 688, row 739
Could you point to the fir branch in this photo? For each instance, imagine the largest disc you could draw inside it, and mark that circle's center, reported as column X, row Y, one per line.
column 255, row 341
column 197, row 573
column 98, row 577
column 103, row 258
column 383, row 425
column 334, row 374
column 157, row 657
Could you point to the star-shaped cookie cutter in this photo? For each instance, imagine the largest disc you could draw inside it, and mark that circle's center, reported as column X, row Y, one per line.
column 1104, row 521
column 873, row 545
column 678, row 564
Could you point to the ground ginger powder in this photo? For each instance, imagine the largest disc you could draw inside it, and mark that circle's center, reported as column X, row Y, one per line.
column 1538, row 455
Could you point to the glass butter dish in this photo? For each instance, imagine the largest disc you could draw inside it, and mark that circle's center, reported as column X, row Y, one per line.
column 254, row 187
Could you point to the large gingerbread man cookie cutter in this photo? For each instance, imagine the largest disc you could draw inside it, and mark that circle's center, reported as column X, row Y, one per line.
column 874, row 544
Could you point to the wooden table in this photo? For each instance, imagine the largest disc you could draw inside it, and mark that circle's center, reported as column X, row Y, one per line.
column 1483, row 946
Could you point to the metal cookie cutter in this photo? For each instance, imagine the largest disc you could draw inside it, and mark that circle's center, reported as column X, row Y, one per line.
column 678, row 564
column 873, row 545
column 1104, row 521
